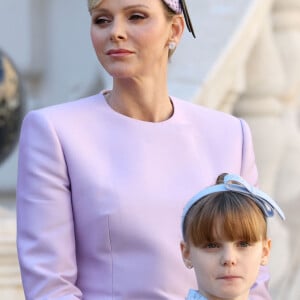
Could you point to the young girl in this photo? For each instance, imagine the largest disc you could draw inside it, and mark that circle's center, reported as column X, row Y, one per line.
column 225, row 238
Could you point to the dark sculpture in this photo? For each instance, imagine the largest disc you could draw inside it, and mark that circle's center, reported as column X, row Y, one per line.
column 11, row 106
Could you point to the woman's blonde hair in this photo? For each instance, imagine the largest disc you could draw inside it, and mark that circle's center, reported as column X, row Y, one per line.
column 92, row 4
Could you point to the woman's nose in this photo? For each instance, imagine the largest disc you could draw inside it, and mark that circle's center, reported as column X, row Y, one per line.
column 118, row 31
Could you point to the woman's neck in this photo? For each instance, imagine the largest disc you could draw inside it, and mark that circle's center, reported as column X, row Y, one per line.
column 142, row 100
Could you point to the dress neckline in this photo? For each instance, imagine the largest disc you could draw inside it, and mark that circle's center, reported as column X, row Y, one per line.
column 130, row 119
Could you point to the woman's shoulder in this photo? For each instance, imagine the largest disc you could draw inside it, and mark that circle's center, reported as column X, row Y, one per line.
column 65, row 116
column 199, row 113
column 66, row 108
column 72, row 110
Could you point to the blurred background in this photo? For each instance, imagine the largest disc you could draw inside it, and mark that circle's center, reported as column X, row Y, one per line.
column 245, row 61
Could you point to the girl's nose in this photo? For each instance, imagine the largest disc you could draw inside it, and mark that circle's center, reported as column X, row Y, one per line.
column 228, row 257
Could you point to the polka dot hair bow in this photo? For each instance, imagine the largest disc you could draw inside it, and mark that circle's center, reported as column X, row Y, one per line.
column 174, row 5
column 179, row 6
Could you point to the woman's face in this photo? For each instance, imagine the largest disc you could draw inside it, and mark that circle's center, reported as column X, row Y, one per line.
column 131, row 37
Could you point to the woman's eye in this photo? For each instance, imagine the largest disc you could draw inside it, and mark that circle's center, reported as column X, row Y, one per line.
column 101, row 20
column 137, row 17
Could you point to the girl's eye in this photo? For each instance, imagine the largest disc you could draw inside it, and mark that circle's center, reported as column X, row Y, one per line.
column 211, row 245
column 243, row 244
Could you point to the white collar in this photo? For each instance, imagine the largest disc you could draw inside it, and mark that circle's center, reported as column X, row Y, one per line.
column 194, row 295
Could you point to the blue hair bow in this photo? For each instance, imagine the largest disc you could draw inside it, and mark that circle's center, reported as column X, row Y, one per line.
column 237, row 184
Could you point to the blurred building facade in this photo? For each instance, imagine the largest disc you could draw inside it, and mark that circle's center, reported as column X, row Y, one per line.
column 245, row 61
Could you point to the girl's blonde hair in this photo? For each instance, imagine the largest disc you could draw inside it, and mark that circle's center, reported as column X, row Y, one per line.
column 224, row 215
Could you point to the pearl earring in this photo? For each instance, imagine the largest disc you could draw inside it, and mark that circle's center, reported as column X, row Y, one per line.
column 172, row 45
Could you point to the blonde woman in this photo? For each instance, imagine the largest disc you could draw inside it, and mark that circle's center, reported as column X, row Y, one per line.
column 102, row 180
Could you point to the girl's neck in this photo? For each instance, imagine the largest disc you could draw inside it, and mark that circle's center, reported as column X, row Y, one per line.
column 146, row 101
column 210, row 297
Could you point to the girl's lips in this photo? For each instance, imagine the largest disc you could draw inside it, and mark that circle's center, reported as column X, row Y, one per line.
column 229, row 277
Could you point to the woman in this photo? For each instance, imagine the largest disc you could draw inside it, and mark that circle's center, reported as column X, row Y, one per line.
column 102, row 180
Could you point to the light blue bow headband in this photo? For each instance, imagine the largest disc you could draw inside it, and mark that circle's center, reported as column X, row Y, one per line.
column 237, row 184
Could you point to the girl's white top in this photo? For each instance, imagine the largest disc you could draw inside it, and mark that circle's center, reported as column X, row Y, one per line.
column 194, row 295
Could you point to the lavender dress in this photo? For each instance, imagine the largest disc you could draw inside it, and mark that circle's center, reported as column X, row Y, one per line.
column 100, row 197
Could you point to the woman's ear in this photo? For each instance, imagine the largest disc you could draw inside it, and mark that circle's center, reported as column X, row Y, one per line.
column 266, row 252
column 177, row 28
column 185, row 253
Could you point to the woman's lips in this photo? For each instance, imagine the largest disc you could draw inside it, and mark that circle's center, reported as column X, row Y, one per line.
column 118, row 52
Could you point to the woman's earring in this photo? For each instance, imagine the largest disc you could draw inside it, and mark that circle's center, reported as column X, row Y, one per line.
column 172, row 45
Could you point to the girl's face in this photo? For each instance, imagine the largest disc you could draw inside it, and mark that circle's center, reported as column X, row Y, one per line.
column 226, row 269
column 131, row 37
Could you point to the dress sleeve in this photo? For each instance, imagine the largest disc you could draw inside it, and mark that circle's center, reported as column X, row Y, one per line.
column 248, row 169
column 260, row 290
column 45, row 227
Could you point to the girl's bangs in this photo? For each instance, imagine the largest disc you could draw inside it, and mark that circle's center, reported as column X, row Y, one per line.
column 225, row 216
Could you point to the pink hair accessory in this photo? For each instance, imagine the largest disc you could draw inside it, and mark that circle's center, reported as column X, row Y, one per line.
column 179, row 6
column 174, row 5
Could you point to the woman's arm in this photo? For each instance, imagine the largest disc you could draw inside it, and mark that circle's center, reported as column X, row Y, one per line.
column 45, row 227
column 260, row 289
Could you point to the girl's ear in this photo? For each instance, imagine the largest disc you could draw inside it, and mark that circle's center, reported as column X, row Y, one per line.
column 266, row 252
column 177, row 28
column 185, row 253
